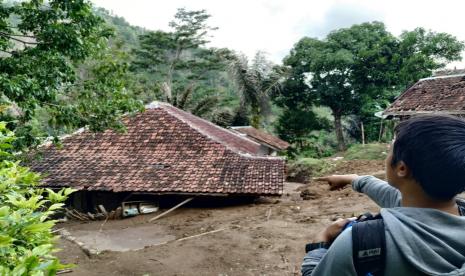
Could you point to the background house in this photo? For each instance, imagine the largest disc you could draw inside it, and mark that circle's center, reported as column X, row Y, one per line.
column 164, row 151
column 435, row 95
column 270, row 145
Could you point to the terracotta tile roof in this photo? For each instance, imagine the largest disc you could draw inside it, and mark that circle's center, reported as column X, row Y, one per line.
column 232, row 140
column 262, row 137
column 164, row 150
column 444, row 94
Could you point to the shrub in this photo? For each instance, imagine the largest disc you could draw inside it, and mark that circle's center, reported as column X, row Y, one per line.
column 26, row 240
column 373, row 151
column 318, row 144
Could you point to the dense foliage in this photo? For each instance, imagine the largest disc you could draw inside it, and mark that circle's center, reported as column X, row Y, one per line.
column 43, row 46
column 359, row 70
column 26, row 240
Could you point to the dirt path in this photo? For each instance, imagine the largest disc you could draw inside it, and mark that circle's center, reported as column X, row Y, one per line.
column 266, row 237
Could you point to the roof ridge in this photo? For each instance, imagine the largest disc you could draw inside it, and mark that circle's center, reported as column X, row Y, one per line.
column 167, row 107
column 443, row 77
column 262, row 136
column 236, row 127
column 49, row 140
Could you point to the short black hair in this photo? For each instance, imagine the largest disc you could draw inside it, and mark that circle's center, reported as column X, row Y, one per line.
column 433, row 148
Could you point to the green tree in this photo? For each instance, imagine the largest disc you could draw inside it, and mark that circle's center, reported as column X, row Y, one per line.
column 44, row 45
column 354, row 67
column 179, row 67
column 101, row 92
column 294, row 125
column 422, row 52
column 39, row 50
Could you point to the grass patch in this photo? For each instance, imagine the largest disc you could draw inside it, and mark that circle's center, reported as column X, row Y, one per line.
column 373, row 151
column 302, row 169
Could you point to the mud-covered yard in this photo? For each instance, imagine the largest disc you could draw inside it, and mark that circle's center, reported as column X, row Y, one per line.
column 263, row 237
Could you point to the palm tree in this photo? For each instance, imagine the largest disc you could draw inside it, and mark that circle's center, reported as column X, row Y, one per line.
column 256, row 83
column 184, row 101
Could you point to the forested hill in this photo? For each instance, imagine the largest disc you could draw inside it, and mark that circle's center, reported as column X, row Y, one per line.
column 123, row 30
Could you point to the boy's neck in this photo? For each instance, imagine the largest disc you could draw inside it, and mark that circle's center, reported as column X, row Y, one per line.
column 414, row 196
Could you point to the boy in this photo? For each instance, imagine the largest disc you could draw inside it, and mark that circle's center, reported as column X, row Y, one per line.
column 424, row 229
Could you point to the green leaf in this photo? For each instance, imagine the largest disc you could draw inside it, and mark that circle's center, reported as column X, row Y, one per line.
column 4, row 211
column 39, row 227
column 5, row 240
column 55, row 206
column 42, row 250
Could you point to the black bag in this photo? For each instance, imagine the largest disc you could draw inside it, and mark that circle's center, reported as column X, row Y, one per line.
column 369, row 243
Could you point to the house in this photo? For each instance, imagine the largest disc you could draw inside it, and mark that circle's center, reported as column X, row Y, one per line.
column 270, row 144
column 164, row 151
column 435, row 95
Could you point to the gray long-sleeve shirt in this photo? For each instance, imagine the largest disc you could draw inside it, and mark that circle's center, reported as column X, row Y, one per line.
column 419, row 241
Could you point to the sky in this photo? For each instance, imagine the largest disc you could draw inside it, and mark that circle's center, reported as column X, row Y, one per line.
column 274, row 26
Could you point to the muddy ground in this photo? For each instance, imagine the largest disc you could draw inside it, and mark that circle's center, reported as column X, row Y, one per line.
column 263, row 237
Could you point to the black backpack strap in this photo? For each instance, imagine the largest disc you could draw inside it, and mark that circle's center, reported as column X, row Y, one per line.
column 369, row 247
column 369, row 243
column 461, row 204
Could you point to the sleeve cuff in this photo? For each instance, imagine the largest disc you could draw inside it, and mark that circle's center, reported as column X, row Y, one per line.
column 312, row 258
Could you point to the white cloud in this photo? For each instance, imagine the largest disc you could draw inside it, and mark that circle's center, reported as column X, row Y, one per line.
column 274, row 26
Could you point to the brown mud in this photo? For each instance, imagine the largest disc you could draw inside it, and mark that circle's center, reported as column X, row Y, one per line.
column 263, row 237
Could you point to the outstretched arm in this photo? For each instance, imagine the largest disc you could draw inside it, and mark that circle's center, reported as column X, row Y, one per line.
column 378, row 190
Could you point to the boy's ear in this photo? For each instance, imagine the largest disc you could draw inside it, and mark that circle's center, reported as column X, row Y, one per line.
column 402, row 170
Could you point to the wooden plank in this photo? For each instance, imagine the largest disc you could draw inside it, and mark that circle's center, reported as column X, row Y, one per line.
column 75, row 214
column 103, row 210
column 171, row 210
column 89, row 214
column 202, row 234
column 64, row 271
column 79, row 214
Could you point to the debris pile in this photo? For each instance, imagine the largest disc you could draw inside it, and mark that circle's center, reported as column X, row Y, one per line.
column 127, row 209
column 102, row 215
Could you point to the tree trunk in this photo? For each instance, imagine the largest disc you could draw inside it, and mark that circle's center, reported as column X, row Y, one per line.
column 338, row 127
column 256, row 117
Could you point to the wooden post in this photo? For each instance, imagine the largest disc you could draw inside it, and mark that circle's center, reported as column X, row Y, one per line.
column 363, row 133
column 171, row 210
column 380, row 131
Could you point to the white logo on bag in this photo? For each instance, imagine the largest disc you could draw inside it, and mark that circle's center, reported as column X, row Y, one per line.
column 369, row 253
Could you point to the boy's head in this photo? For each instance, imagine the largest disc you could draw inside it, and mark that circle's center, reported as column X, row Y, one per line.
column 431, row 149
